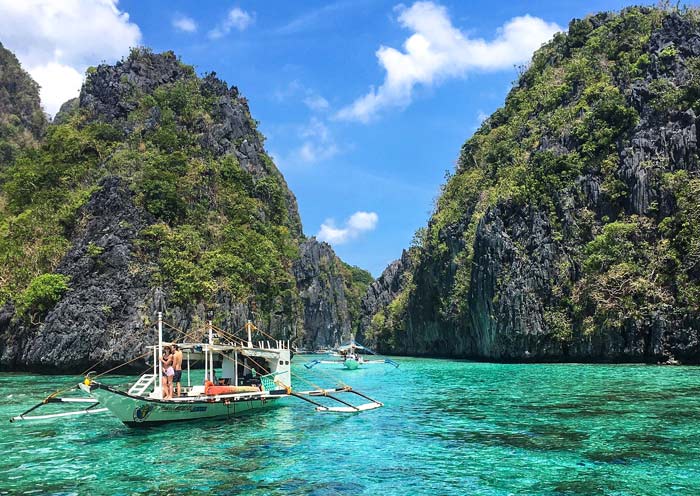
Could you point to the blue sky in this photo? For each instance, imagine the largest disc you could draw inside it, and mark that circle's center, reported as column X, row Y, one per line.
column 363, row 145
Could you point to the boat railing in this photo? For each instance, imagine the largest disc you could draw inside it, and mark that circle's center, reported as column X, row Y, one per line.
column 279, row 344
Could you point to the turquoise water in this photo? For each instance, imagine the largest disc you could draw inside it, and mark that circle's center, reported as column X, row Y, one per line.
column 447, row 428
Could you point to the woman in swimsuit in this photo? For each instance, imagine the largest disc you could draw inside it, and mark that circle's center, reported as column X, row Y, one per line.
column 168, row 373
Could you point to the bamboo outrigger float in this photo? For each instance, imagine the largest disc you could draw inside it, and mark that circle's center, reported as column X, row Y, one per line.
column 252, row 377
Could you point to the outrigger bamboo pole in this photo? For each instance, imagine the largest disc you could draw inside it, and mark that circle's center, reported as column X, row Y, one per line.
column 362, row 395
column 57, row 415
column 343, row 402
column 292, row 393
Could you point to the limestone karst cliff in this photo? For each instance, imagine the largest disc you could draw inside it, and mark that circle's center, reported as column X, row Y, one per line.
column 152, row 191
column 22, row 122
column 569, row 229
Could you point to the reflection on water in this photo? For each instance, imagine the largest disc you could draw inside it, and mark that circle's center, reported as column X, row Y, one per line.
column 448, row 427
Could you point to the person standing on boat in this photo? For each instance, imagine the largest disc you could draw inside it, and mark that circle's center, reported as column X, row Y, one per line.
column 168, row 373
column 177, row 366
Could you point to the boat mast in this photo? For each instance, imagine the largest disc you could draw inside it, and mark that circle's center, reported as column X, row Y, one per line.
column 155, row 366
column 211, row 354
column 249, row 327
column 206, row 362
column 160, row 353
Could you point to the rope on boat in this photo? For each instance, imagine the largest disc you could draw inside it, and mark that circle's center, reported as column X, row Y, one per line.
column 343, row 402
column 318, row 389
column 322, row 391
column 65, row 390
column 333, row 378
column 233, row 335
column 180, row 331
column 95, row 365
column 123, row 364
column 313, row 385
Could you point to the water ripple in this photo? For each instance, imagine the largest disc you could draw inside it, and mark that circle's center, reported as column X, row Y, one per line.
column 448, row 427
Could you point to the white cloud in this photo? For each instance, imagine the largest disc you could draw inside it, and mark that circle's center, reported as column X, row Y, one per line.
column 316, row 129
column 57, row 41
column 358, row 223
column 318, row 17
column 184, row 23
column 285, row 93
column 437, row 51
column 235, row 19
column 311, row 152
column 316, row 102
column 318, row 143
column 294, row 89
column 59, row 83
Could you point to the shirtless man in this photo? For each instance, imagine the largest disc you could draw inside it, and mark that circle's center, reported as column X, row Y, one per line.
column 177, row 365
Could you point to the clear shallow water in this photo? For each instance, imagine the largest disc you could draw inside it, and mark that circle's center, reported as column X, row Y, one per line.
column 447, row 428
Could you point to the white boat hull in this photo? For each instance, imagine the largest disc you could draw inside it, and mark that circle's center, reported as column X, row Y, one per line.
column 140, row 412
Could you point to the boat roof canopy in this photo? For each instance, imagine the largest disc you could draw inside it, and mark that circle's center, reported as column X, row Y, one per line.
column 351, row 345
column 260, row 349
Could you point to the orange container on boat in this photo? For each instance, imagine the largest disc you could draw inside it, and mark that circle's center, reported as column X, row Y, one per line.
column 212, row 390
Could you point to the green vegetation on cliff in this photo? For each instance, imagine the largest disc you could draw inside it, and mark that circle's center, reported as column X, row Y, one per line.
column 153, row 191
column 357, row 281
column 41, row 294
column 215, row 227
column 22, row 121
column 581, row 196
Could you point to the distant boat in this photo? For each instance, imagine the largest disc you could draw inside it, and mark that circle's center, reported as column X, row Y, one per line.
column 351, row 356
column 253, row 377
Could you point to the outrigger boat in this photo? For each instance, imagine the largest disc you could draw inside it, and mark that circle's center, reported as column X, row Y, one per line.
column 351, row 357
column 252, row 377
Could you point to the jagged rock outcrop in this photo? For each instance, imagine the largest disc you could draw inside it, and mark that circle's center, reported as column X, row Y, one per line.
column 158, row 196
column 108, row 92
column 66, row 111
column 383, row 291
column 322, row 290
column 108, row 96
column 567, row 232
column 102, row 314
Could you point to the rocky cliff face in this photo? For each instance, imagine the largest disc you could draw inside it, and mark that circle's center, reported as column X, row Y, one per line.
column 102, row 315
column 153, row 192
column 322, row 291
column 568, row 231
column 109, row 96
column 22, row 122
column 382, row 292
